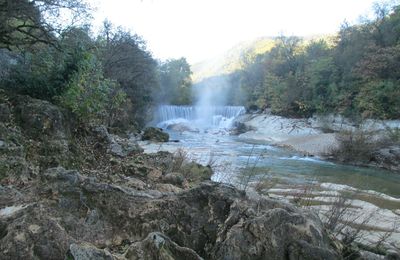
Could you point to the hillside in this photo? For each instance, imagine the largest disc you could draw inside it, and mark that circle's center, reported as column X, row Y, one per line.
column 239, row 56
column 232, row 59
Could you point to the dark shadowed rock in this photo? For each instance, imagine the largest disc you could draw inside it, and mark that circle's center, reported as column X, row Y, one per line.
column 155, row 134
column 174, row 178
column 240, row 128
column 392, row 255
column 6, row 115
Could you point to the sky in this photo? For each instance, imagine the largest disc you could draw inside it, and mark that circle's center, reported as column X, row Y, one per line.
column 203, row 29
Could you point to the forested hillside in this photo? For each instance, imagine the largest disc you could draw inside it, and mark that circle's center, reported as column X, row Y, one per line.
column 355, row 73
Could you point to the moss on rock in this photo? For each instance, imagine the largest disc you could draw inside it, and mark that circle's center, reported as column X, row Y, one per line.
column 155, row 134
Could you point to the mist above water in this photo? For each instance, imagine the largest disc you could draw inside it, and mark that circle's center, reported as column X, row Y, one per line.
column 210, row 94
column 209, row 111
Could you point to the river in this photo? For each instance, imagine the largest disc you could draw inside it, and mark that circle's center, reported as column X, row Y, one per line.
column 241, row 161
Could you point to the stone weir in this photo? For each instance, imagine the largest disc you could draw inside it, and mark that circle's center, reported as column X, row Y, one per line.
column 211, row 116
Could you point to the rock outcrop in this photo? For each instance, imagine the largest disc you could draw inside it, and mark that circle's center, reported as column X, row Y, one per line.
column 155, row 134
column 71, row 214
column 388, row 158
column 116, row 145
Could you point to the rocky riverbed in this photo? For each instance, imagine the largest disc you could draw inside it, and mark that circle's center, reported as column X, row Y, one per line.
column 318, row 136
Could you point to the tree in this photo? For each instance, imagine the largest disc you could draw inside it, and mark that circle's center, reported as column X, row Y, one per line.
column 46, row 73
column 175, row 82
column 380, row 99
column 25, row 23
column 126, row 60
column 321, row 76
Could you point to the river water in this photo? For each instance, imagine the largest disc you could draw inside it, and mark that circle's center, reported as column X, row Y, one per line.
column 213, row 140
column 204, row 133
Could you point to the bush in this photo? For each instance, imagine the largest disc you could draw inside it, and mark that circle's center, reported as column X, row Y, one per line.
column 39, row 75
column 393, row 135
column 356, row 146
column 45, row 71
column 361, row 147
column 90, row 96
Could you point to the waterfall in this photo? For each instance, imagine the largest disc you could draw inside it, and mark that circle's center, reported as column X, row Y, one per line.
column 198, row 116
column 167, row 113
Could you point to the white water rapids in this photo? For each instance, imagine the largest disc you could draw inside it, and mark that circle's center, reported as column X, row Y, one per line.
column 198, row 117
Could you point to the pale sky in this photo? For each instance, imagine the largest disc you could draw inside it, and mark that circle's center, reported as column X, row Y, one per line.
column 202, row 29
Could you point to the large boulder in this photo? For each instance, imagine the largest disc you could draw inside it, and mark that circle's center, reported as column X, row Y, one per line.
column 159, row 246
column 182, row 127
column 39, row 119
column 240, row 128
column 34, row 132
column 194, row 173
column 388, row 158
column 115, row 145
column 87, row 251
column 155, row 134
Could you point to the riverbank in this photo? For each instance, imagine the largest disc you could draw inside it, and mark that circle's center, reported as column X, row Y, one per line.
column 319, row 136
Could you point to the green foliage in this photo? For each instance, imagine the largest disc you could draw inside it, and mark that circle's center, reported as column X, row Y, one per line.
column 45, row 71
column 380, row 99
column 37, row 75
column 357, row 75
column 175, row 82
column 362, row 146
column 126, row 61
column 109, row 80
column 89, row 94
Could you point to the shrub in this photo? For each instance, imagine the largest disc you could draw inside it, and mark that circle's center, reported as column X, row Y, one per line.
column 90, row 96
column 357, row 146
column 361, row 147
column 393, row 135
column 39, row 75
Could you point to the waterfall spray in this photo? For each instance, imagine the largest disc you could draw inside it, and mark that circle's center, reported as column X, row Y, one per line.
column 210, row 110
